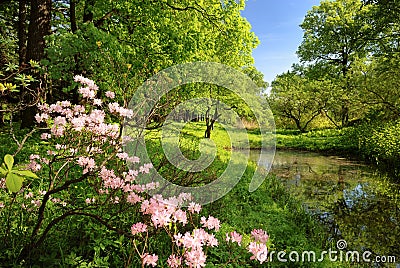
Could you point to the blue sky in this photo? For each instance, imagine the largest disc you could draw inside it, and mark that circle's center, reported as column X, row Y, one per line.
column 276, row 23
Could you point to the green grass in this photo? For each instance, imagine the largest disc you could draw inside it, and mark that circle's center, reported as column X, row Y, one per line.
column 326, row 140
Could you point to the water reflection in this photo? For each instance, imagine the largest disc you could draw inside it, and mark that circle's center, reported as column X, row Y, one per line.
column 356, row 203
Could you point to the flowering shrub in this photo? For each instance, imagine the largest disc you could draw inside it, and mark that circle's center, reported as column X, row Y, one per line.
column 84, row 173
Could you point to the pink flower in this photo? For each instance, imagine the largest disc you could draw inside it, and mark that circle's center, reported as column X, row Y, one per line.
column 259, row 251
column 41, row 117
column 87, row 163
column 193, row 240
column 133, row 159
column 113, row 107
column 97, row 102
column 125, row 112
column 145, row 168
column 180, row 216
column 42, row 192
column 65, row 104
column 87, row 93
column 34, row 156
column 194, row 208
column 36, row 203
column 174, row 261
column 212, row 241
column 150, row 259
column 43, row 107
column 45, row 136
column 151, row 185
column 78, row 109
column 57, row 131
column 259, row 235
column 234, row 237
column 86, row 81
column 110, row 94
column 195, row 258
column 60, row 121
column 138, row 228
column 55, row 200
column 210, row 223
column 133, row 198
column 34, row 166
column 122, row 156
column 161, row 218
column 78, row 123
column 57, row 108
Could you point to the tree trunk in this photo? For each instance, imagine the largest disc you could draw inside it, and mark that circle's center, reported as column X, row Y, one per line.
column 22, row 32
column 74, row 28
column 88, row 13
column 39, row 27
column 72, row 15
column 210, row 121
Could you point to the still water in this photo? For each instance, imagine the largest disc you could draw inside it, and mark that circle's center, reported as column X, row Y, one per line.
column 355, row 202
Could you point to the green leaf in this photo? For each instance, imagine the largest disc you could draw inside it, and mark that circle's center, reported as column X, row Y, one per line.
column 3, row 170
column 25, row 173
column 14, row 182
column 9, row 160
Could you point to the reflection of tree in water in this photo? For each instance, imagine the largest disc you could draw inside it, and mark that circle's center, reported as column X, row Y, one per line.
column 369, row 221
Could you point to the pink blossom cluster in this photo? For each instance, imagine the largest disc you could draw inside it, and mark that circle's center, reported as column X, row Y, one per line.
column 2, row 183
column 148, row 259
column 75, row 117
column 126, row 183
column 33, row 164
column 88, row 163
column 91, row 88
column 138, row 228
column 193, row 244
column 210, row 223
column 259, row 251
column 174, row 261
column 259, row 235
column 163, row 212
column 257, row 247
column 234, row 237
column 116, row 109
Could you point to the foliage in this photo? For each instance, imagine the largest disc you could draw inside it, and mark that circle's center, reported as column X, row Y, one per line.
column 298, row 98
column 14, row 176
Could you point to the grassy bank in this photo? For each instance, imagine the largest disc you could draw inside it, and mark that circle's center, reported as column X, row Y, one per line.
column 375, row 143
column 328, row 140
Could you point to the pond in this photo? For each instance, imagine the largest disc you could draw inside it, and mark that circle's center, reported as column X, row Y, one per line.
column 355, row 202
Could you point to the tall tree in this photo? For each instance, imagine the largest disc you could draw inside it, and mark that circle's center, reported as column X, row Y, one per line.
column 22, row 13
column 39, row 28
column 337, row 33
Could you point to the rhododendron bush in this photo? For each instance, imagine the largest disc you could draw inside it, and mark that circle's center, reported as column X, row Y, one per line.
column 84, row 175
